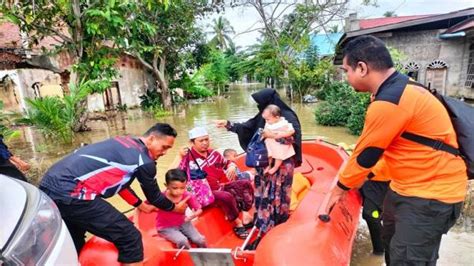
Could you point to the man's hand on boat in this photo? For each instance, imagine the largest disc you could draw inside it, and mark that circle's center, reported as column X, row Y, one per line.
column 337, row 194
column 182, row 205
column 147, row 208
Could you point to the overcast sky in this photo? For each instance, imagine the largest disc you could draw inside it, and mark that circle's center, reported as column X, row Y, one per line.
column 243, row 19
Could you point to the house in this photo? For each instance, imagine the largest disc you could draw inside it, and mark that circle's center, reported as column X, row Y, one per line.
column 438, row 49
column 26, row 72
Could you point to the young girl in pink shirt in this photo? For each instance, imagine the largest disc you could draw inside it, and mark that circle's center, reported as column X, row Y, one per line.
column 177, row 227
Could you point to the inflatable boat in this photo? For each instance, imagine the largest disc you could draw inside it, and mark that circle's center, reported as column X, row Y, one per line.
column 304, row 239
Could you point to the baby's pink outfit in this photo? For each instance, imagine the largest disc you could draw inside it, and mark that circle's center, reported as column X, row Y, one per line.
column 275, row 149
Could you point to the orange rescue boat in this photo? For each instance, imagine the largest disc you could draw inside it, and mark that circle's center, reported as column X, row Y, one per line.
column 302, row 240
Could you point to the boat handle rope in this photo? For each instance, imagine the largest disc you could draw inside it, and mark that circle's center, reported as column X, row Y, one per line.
column 242, row 248
column 236, row 256
column 178, row 252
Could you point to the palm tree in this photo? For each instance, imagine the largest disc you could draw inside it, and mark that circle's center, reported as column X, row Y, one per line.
column 221, row 29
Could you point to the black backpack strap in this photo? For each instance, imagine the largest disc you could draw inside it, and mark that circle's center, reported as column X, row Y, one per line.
column 433, row 143
column 414, row 83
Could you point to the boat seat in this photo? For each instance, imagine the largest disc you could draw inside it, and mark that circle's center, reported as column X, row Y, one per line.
column 211, row 256
column 299, row 188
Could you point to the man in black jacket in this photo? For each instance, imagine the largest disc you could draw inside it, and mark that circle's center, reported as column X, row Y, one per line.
column 79, row 182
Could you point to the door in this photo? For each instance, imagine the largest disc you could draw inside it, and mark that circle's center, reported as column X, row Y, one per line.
column 112, row 97
column 436, row 79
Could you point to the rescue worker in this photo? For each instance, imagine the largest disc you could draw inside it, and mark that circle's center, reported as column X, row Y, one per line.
column 427, row 186
column 79, row 182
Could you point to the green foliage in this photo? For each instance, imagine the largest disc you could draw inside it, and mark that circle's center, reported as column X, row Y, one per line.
column 90, row 31
column 221, row 29
column 162, row 37
column 343, row 107
column 151, row 99
column 55, row 117
column 261, row 61
column 194, row 86
column 355, row 122
column 389, row 14
column 311, row 75
column 335, row 111
column 216, row 71
column 88, row 25
column 233, row 59
column 46, row 114
column 159, row 112
column 5, row 130
column 398, row 57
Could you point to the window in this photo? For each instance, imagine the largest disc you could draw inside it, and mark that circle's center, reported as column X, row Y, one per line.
column 470, row 68
column 436, row 75
column 412, row 69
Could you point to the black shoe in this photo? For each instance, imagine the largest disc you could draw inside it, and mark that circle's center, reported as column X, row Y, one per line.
column 249, row 225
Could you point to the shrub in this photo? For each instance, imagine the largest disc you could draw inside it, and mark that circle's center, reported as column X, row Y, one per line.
column 336, row 110
column 56, row 117
column 355, row 123
column 151, row 99
column 194, row 86
column 5, row 131
column 343, row 107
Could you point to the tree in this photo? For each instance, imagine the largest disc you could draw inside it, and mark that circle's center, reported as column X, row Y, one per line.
column 221, row 29
column 82, row 29
column 263, row 61
column 286, row 25
column 159, row 36
column 389, row 14
column 216, row 72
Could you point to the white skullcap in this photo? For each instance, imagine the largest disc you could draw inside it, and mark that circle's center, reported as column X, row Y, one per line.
column 197, row 132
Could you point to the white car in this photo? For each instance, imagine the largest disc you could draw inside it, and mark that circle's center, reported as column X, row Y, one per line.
column 31, row 229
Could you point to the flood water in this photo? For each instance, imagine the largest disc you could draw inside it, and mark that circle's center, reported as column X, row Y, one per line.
column 237, row 105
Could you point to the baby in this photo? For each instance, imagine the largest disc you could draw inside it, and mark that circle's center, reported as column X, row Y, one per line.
column 177, row 227
column 279, row 145
column 230, row 156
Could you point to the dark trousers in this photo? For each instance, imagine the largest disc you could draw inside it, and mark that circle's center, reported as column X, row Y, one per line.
column 103, row 220
column 8, row 169
column 373, row 194
column 413, row 228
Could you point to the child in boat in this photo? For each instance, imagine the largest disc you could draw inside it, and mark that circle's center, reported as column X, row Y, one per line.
column 230, row 156
column 279, row 146
column 177, row 227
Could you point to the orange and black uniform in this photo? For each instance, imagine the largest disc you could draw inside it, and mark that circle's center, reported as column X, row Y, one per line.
column 373, row 193
column 425, row 183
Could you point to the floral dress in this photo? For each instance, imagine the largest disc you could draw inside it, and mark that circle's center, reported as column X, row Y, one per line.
column 272, row 196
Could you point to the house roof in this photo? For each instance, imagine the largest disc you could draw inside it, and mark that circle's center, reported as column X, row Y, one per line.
column 440, row 21
column 377, row 22
column 459, row 19
column 10, row 38
column 464, row 25
column 326, row 43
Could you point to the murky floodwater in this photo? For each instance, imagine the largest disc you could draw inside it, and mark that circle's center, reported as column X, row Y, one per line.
column 238, row 105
